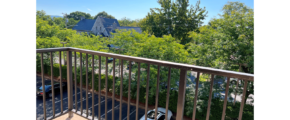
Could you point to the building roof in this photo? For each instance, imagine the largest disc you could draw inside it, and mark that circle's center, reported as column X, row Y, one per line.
column 109, row 30
column 107, row 22
column 137, row 29
column 85, row 24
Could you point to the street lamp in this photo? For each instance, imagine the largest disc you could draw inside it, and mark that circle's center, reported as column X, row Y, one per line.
column 63, row 52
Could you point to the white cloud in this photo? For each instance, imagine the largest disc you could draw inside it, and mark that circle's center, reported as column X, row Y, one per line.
column 89, row 9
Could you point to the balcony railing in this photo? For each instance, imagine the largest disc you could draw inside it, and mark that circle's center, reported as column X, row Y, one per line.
column 181, row 91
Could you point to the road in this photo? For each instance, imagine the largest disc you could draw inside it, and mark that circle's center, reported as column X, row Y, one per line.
column 39, row 105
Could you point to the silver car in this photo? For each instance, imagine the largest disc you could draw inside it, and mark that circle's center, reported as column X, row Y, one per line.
column 160, row 114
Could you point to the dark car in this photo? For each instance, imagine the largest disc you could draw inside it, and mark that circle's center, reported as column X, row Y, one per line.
column 110, row 60
column 48, row 90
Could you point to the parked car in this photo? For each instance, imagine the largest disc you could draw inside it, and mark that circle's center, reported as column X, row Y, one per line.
column 160, row 114
column 47, row 89
column 110, row 60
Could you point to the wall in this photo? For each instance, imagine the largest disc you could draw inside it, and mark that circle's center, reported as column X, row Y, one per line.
column 96, row 27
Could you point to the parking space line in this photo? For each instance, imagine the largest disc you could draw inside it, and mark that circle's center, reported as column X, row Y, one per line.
column 98, row 103
column 129, row 115
column 110, row 110
column 65, row 98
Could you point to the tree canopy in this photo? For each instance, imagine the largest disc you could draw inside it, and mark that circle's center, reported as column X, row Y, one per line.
column 104, row 14
column 174, row 18
column 78, row 14
column 228, row 42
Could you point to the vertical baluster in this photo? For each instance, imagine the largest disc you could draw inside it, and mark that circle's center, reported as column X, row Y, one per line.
column 195, row 97
column 100, row 68
column 121, row 91
column 76, row 97
column 52, row 84
column 240, row 69
column 87, row 87
column 243, row 100
column 157, row 91
column 129, row 90
column 147, row 90
column 167, row 96
column 43, row 86
column 210, row 95
column 69, row 83
column 61, row 91
column 106, row 96
column 181, row 94
column 113, row 99
column 138, row 84
column 93, row 84
column 81, row 82
column 226, row 99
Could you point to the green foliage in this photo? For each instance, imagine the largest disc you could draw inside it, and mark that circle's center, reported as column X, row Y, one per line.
column 59, row 21
column 204, row 77
column 128, row 22
column 228, row 42
column 42, row 15
column 77, row 15
column 44, row 29
column 174, row 18
column 173, row 99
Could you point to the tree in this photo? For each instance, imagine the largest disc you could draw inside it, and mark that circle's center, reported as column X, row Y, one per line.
column 42, row 15
column 77, row 15
column 104, row 14
column 142, row 45
column 71, row 23
column 128, row 22
column 228, row 42
column 59, row 21
column 174, row 18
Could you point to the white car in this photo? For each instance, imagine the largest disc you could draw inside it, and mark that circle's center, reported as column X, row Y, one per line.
column 160, row 114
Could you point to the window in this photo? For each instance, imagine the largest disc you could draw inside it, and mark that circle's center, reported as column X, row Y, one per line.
column 151, row 115
column 162, row 117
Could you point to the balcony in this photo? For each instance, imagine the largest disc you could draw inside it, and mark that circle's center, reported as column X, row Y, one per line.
column 81, row 100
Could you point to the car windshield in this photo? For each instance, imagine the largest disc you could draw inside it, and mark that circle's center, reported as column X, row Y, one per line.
column 151, row 114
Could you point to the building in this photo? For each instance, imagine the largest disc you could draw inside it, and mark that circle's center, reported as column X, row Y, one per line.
column 101, row 26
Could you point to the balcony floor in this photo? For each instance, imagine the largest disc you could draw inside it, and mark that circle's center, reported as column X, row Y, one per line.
column 75, row 117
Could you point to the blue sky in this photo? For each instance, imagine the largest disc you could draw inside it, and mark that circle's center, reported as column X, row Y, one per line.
column 133, row 9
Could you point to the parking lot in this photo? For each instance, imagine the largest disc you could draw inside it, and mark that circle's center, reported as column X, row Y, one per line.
column 39, row 104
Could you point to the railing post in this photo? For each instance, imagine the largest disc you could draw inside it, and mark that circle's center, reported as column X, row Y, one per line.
column 69, row 83
column 181, row 94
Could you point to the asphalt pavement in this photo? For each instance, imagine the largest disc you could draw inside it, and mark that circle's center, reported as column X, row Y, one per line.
column 49, row 113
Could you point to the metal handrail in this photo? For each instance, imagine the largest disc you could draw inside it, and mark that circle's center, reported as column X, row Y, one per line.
column 182, row 82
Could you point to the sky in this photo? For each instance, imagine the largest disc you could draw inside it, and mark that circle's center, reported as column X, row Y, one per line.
column 133, row 9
